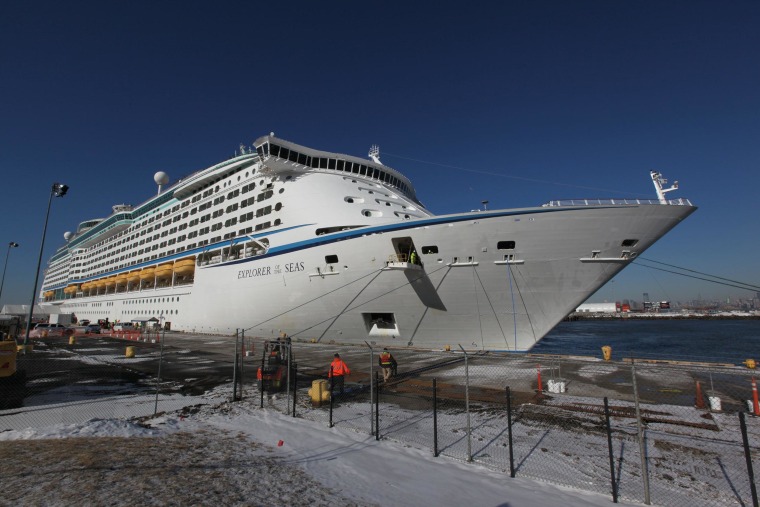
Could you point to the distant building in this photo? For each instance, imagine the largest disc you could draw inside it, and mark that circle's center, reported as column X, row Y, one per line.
column 598, row 308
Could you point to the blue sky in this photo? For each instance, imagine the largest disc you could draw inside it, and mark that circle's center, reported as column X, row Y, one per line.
column 515, row 102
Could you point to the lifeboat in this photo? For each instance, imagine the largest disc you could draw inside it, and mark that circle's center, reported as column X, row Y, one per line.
column 147, row 273
column 111, row 281
column 121, row 279
column 71, row 289
column 49, row 294
column 86, row 285
column 184, row 266
column 164, row 270
column 100, row 283
column 134, row 276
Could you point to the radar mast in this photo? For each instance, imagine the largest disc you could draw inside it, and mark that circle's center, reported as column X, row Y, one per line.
column 374, row 154
column 659, row 181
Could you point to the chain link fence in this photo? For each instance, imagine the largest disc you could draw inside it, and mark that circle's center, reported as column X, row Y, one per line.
column 73, row 379
column 662, row 433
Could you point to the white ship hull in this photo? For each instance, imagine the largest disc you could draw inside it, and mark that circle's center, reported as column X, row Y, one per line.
column 484, row 280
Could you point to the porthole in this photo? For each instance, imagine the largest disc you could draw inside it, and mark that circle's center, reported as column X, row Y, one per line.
column 282, row 190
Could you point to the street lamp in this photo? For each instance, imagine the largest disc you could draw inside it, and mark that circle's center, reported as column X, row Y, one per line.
column 10, row 245
column 58, row 190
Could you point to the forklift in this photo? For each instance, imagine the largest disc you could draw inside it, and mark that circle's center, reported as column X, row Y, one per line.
column 274, row 370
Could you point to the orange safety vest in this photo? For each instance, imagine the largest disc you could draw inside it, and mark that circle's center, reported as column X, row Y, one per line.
column 338, row 368
column 386, row 360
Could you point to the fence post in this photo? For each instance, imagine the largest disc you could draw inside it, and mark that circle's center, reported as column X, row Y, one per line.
column 242, row 360
column 609, row 447
column 435, row 419
column 287, row 383
column 377, row 405
column 748, row 456
column 332, row 396
column 509, row 433
column 235, row 366
column 642, row 443
column 295, row 387
column 371, row 389
column 158, row 380
column 467, row 403
column 261, row 380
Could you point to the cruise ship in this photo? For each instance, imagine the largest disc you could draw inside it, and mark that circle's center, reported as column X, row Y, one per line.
column 334, row 248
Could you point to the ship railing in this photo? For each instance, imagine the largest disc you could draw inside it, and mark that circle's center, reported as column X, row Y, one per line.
column 616, row 202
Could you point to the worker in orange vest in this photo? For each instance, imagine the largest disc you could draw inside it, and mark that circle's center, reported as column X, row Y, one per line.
column 387, row 363
column 338, row 371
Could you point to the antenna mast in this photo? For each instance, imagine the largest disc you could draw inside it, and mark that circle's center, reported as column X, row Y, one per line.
column 374, row 154
column 659, row 182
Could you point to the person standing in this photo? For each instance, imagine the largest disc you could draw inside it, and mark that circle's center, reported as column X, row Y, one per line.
column 387, row 363
column 338, row 371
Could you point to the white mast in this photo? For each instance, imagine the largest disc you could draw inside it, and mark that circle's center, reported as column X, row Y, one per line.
column 659, row 181
column 374, row 154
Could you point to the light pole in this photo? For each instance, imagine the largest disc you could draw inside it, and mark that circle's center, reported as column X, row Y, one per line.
column 58, row 190
column 8, row 254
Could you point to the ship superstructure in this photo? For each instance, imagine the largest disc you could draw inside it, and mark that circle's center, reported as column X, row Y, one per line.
column 331, row 247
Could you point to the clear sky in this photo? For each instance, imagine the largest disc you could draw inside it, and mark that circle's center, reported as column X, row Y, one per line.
column 516, row 102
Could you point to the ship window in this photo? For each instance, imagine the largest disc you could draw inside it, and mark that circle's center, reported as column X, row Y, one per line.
column 433, row 249
column 340, row 165
column 505, row 245
column 284, row 152
column 323, row 163
column 293, row 157
column 331, row 163
column 331, row 259
column 355, row 169
column 314, row 162
column 629, row 242
column 302, row 159
column 275, row 150
column 348, row 166
column 376, row 173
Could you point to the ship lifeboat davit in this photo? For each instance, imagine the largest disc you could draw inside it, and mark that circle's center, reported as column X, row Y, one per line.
column 164, row 270
column 147, row 273
column 185, row 266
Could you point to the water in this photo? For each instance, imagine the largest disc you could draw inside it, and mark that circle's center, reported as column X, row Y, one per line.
column 726, row 341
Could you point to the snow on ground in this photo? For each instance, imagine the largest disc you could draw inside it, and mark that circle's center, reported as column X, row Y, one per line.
column 228, row 454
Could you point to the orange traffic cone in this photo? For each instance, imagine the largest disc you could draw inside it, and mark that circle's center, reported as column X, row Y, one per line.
column 700, row 401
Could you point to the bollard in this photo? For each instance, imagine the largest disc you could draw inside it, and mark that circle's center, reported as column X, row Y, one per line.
column 607, row 352
column 750, row 363
column 72, row 340
column 130, row 352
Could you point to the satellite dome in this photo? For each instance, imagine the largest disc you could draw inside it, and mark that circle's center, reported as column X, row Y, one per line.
column 161, row 178
column 67, row 235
